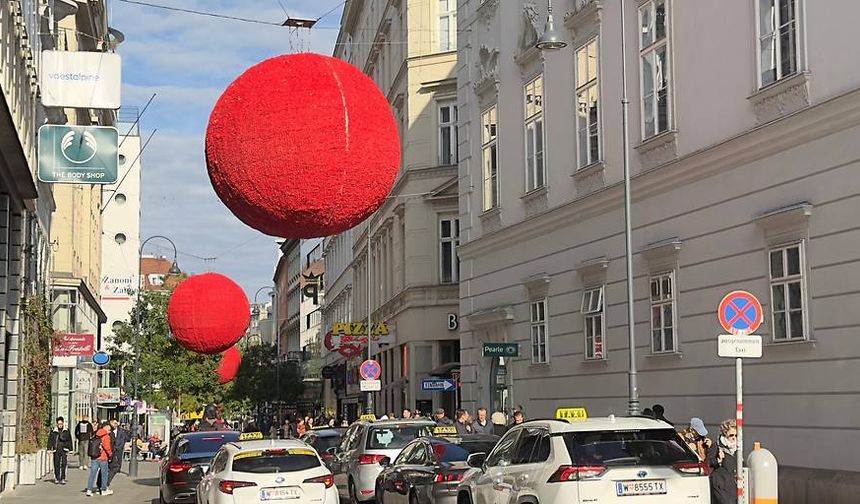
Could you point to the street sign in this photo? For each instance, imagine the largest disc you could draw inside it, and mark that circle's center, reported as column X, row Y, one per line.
column 101, row 358
column 438, row 385
column 370, row 385
column 740, row 312
column 500, row 350
column 78, row 154
column 370, row 370
column 733, row 345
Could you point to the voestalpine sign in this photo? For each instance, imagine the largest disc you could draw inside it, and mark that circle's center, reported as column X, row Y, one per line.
column 500, row 350
column 81, row 79
column 78, row 154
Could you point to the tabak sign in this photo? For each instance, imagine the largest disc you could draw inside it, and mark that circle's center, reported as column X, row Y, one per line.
column 73, row 345
column 348, row 338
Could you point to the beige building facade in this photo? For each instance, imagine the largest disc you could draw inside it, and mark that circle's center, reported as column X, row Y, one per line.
column 744, row 117
column 409, row 278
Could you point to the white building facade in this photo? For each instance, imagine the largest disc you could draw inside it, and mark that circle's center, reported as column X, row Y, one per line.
column 743, row 124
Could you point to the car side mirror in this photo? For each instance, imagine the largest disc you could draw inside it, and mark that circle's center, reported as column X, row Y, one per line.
column 385, row 462
column 476, row 460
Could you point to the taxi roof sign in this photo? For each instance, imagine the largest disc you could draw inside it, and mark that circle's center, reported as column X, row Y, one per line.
column 444, row 430
column 250, row 436
column 571, row 414
column 367, row 418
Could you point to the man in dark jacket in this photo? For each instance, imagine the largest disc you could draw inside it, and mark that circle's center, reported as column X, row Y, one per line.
column 83, row 433
column 60, row 442
column 118, row 437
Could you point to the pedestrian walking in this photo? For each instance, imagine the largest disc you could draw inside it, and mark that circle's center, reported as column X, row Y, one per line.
column 464, row 423
column 60, row 443
column 724, row 465
column 696, row 437
column 519, row 417
column 482, row 424
column 659, row 413
column 119, row 437
column 99, row 451
column 499, row 422
column 83, row 433
column 440, row 417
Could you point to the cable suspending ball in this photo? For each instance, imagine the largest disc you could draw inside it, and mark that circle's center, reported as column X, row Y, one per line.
column 302, row 146
column 228, row 368
column 208, row 313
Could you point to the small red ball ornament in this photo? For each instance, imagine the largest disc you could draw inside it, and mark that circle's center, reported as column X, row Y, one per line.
column 229, row 366
column 302, row 146
column 208, row 313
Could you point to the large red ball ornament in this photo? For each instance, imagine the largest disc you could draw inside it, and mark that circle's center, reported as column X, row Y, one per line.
column 228, row 368
column 302, row 146
column 208, row 313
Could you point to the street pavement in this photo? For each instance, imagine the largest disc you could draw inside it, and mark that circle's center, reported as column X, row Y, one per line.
column 140, row 490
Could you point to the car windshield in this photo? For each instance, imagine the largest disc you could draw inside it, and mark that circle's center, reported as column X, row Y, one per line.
column 393, row 437
column 450, row 452
column 646, row 447
column 279, row 461
column 206, row 444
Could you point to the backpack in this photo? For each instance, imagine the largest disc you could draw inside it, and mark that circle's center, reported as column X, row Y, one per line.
column 94, row 447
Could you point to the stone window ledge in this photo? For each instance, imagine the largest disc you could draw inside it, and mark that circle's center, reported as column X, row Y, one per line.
column 676, row 355
column 589, row 178
column 658, row 149
column 535, row 201
column 781, row 98
column 792, row 343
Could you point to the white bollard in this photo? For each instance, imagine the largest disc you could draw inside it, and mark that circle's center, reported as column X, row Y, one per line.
column 764, row 476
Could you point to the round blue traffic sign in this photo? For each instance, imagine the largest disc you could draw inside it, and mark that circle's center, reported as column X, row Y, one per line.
column 101, row 358
column 740, row 312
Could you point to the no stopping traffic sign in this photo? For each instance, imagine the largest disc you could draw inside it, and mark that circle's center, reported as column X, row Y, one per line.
column 740, row 312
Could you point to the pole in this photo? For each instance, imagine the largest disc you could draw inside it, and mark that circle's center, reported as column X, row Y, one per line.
column 369, row 407
column 277, row 332
column 632, row 383
column 739, row 418
column 132, row 463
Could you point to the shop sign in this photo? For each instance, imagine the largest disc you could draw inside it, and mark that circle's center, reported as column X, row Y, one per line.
column 73, row 345
column 107, row 395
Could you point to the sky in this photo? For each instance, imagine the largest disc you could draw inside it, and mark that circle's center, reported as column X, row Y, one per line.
column 187, row 61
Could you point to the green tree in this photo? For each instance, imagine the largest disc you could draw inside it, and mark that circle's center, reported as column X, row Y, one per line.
column 261, row 377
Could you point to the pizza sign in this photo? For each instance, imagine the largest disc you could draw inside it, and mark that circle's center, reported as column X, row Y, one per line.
column 349, row 338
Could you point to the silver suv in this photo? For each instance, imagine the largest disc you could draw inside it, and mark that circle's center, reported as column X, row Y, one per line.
column 355, row 462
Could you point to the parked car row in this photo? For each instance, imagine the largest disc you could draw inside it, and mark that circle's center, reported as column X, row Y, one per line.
column 573, row 459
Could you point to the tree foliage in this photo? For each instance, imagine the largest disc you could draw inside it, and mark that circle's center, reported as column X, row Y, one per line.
column 36, row 334
column 172, row 376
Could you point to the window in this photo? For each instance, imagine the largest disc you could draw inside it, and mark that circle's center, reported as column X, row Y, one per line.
column 538, row 329
column 535, row 176
column 447, row 134
column 654, row 58
column 447, row 25
column 592, row 315
column 119, row 238
column 777, row 39
column 788, row 292
column 531, row 447
column 504, row 450
column 587, row 103
column 663, row 310
column 490, row 155
column 120, row 199
column 449, row 240
column 390, row 438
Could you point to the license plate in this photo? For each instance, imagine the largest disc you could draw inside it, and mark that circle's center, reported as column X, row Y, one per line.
column 642, row 487
column 282, row 493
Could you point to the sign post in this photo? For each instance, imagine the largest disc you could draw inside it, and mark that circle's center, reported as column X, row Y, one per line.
column 740, row 313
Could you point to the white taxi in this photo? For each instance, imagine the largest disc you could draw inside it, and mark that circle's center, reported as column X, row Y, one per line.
column 575, row 459
column 254, row 470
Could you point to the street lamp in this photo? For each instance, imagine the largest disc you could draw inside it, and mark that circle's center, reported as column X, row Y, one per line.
column 277, row 336
column 550, row 39
column 174, row 270
column 632, row 381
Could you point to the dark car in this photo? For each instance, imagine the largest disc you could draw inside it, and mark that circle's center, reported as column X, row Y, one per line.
column 322, row 440
column 429, row 469
column 185, row 463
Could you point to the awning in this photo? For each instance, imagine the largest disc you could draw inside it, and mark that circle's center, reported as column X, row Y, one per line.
column 445, row 369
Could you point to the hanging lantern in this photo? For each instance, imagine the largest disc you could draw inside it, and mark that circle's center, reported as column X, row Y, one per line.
column 302, row 146
column 208, row 313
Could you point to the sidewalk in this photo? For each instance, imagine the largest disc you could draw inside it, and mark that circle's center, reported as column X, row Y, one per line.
column 141, row 490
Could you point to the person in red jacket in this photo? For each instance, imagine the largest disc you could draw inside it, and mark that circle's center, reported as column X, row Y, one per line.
column 100, row 463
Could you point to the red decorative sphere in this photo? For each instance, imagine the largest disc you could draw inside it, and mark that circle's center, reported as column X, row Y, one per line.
column 208, row 313
column 302, row 146
column 229, row 366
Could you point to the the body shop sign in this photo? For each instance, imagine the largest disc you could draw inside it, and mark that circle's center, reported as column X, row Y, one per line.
column 73, row 345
